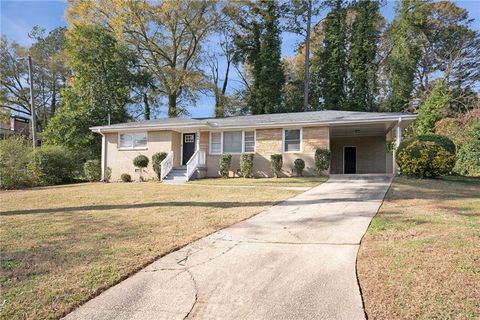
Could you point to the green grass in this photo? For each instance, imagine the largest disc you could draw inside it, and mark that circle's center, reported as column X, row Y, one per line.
column 269, row 182
column 420, row 257
column 62, row 245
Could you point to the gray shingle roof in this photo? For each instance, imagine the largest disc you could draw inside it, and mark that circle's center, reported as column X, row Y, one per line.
column 326, row 116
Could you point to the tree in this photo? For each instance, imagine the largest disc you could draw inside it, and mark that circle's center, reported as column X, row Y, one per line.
column 100, row 90
column 362, row 64
column 219, row 85
column 168, row 37
column 49, row 69
column 257, row 38
column 432, row 109
column 49, row 74
column 405, row 52
column 329, row 64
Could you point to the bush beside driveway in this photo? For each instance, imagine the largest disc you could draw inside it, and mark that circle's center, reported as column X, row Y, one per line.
column 61, row 245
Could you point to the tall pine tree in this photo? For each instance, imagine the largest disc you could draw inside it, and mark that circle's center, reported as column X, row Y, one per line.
column 362, row 67
column 331, row 69
column 405, row 52
column 271, row 76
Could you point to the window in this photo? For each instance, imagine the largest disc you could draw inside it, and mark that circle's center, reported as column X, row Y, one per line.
column 133, row 140
column 249, row 141
column 292, row 140
column 189, row 138
column 216, row 143
column 232, row 142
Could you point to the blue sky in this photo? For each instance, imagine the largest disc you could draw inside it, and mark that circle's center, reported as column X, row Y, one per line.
column 18, row 17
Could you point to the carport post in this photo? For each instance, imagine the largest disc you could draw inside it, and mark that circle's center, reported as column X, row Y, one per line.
column 398, row 131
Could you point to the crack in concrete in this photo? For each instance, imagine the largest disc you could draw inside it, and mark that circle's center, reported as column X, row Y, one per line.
column 195, row 288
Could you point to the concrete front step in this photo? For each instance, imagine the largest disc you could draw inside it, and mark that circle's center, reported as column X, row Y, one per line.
column 176, row 175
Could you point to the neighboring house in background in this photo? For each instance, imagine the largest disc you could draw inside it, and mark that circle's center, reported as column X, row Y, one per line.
column 357, row 141
column 18, row 125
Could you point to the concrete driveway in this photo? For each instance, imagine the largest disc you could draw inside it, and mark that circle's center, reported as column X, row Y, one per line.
column 293, row 261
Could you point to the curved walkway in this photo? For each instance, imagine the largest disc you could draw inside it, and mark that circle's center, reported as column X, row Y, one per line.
column 293, row 261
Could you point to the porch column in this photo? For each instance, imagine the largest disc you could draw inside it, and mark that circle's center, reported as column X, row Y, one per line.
column 197, row 140
column 398, row 139
column 103, row 161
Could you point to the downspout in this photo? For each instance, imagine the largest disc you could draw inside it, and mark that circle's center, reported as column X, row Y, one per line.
column 104, row 156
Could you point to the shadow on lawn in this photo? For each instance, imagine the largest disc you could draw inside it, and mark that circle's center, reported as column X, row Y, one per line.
column 219, row 204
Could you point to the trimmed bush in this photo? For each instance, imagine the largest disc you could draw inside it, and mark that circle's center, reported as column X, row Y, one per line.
column 52, row 165
column 246, row 165
column 436, row 138
column 276, row 161
column 468, row 159
column 140, row 161
column 125, row 177
column 157, row 159
column 299, row 165
column 14, row 156
column 426, row 156
column 322, row 160
column 107, row 175
column 224, row 163
column 92, row 170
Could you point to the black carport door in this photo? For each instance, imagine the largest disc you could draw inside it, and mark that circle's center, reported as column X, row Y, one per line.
column 350, row 160
column 188, row 147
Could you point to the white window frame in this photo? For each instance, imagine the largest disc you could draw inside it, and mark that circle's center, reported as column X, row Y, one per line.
column 243, row 142
column 132, row 147
column 301, row 140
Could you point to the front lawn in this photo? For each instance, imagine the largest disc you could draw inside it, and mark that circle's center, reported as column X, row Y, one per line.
column 420, row 258
column 62, row 245
column 267, row 182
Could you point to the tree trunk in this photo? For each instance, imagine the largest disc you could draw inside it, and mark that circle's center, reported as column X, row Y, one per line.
column 146, row 107
column 172, row 105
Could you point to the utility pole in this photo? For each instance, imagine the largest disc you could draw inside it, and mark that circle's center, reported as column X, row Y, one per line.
column 307, row 57
column 32, row 107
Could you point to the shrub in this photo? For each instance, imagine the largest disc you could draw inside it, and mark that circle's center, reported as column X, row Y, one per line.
column 107, row 176
column 157, row 159
column 435, row 138
column 14, row 173
column 225, row 162
column 276, row 161
column 246, row 164
column 468, row 159
column 92, row 170
column 140, row 161
column 52, row 165
column 322, row 160
column 299, row 165
column 125, row 177
column 426, row 156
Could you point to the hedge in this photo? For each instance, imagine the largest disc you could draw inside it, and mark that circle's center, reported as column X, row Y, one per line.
column 246, row 165
column 276, row 161
column 224, row 163
column 92, row 170
column 322, row 160
column 299, row 165
column 52, row 165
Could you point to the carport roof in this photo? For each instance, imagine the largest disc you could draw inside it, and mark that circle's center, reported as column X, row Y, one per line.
column 327, row 117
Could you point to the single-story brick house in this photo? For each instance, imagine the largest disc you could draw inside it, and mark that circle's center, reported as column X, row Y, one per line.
column 357, row 141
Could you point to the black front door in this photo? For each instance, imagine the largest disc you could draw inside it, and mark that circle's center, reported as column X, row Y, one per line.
column 350, row 160
column 188, row 147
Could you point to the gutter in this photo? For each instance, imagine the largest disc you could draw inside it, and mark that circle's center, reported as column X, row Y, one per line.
column 213, row 126
column 104, row 155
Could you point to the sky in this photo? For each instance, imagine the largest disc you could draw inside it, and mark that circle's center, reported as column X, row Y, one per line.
column 18, row 17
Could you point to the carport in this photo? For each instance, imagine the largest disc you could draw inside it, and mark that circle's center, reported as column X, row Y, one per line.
column 360, row 148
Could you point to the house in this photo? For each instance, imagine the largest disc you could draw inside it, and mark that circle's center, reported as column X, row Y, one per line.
column 19, row 126
column 357, row 141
